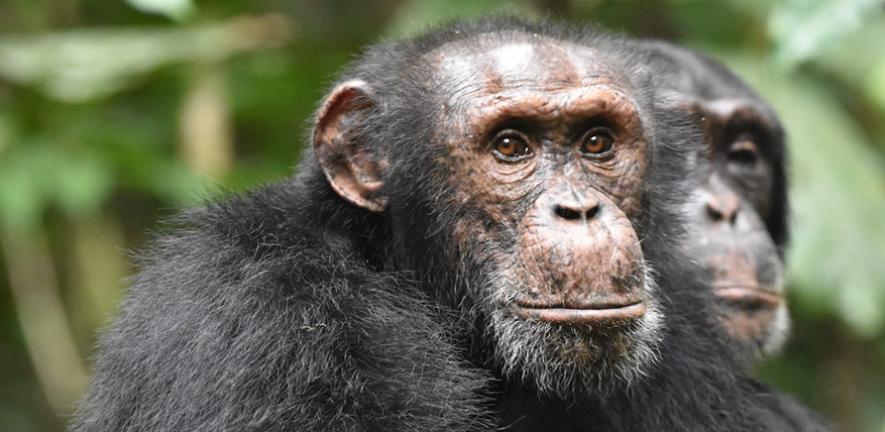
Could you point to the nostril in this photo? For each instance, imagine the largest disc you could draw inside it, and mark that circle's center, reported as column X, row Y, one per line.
column 723, row 210
column 713, row 212
column 567, row 213
column 591, row 212
column 571, row 213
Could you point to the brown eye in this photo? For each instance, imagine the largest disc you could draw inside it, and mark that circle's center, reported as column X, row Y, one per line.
column 511, row 147
column 743, row 152
column 597, row 142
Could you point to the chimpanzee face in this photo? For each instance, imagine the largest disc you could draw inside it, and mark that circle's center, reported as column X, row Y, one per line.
column 542, row 148
column 728, row 235
column 548, row 149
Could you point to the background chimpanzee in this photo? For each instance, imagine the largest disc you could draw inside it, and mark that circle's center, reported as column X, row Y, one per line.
column 738, row 219
column 482, row 236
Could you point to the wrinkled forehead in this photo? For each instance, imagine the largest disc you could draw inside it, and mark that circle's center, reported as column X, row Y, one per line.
column 523, row 66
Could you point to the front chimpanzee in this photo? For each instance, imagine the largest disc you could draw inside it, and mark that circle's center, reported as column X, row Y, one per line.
column 483, row 235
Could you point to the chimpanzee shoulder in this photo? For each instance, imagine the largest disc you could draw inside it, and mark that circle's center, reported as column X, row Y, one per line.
column 253, row 315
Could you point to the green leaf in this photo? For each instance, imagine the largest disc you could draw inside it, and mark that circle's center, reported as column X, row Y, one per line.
column 803, row 28
column 83, row 185
column 83, row 65
column 177, row 10
column 21, row 200
column 875, row 85
column 38, row 174
column 7, row 131
column 417, row 16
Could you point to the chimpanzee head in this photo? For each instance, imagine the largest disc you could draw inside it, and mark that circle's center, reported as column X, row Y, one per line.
column 737, row 218
column 520, row 171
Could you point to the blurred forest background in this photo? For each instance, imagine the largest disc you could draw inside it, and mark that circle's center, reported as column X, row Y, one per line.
column 115, row 114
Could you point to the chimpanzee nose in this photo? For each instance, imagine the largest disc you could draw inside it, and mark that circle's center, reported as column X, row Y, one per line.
column 723, row 207
column 577, row 210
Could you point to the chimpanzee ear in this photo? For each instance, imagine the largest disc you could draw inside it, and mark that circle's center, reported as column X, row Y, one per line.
column 353, row 169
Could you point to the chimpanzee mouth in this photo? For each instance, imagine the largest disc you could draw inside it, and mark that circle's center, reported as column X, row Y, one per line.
column 584, row 314
column 750, row 297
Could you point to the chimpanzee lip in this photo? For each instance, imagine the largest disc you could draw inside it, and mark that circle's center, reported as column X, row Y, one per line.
column 748, row 296
column 585, row 314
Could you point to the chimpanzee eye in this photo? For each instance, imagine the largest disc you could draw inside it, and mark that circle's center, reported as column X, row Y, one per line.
column 743, row 151
column 511, row 146
column 597, row 142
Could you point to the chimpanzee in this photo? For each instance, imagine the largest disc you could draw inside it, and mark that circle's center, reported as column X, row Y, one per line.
column 738, row 218
column 484, row 234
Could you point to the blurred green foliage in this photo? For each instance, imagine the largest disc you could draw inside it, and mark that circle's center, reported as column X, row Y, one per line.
column 114, row 115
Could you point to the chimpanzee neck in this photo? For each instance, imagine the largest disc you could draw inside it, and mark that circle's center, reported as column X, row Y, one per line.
column 360, row 232
column 522, row 409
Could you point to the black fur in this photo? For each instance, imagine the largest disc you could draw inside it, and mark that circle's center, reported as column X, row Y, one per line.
column 288, row 309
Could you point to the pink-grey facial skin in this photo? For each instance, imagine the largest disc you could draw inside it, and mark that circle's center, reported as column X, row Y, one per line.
column 577, row 259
